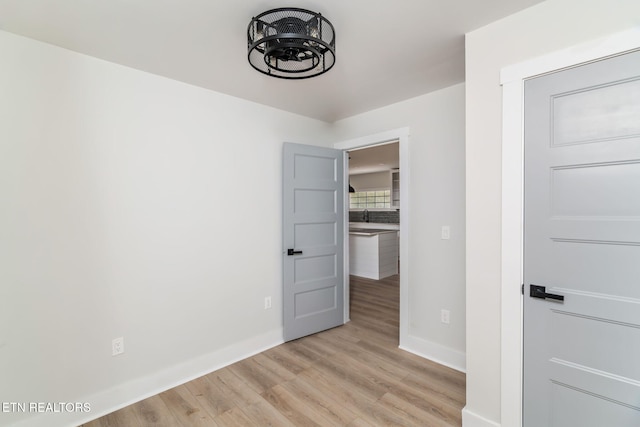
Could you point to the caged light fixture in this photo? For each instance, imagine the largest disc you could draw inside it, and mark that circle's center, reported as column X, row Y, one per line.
column 291, row 43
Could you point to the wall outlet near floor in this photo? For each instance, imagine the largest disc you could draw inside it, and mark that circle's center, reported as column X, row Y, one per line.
column 267, row 303
column 445, row 316
column 117, row 346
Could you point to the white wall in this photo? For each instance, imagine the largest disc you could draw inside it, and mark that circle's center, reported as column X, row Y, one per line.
column 436, row 198
column 547, row 27
column 121, row 199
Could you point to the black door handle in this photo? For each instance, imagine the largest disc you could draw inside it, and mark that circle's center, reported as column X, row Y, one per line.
column 536, row 291
column 291, row 252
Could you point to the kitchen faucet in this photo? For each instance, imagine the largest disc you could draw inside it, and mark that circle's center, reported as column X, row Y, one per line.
column 365, row 215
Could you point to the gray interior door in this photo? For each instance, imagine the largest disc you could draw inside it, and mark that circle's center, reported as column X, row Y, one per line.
column 582, row 243
column 313, row 221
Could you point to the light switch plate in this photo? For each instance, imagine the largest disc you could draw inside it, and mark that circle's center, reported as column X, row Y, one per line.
column 445, row 316
column 117, row 346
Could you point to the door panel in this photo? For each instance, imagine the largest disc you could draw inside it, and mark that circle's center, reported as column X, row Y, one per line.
column 313, row 221
column 596, row 113
column 593, row 409
column 582, row 241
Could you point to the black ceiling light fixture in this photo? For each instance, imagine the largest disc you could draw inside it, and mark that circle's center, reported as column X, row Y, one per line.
column 291, row 43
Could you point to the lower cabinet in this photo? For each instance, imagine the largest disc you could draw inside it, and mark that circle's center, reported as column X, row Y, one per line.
column 373, row 255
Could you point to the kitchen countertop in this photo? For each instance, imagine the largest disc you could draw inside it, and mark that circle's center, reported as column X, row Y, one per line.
column 377, row 225
column 369, row 231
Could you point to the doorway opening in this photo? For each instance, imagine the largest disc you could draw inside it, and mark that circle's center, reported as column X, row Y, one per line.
column 374, row 228
column 360, row 147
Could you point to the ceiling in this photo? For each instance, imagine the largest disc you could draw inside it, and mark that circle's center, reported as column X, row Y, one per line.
column 374, row 159
column 386, row 51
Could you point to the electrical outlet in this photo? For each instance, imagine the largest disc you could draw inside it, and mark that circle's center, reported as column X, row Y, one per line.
column 445, row 232
column 267, row 303
column 117, row 346
column 445, row 316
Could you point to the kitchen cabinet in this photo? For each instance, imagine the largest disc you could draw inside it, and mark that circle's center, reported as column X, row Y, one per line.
column 373, row 253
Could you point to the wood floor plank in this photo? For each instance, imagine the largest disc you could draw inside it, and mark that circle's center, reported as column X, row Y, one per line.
column 446, row 392
column 153, row 412
column 396, row 411
column 293, row 362
column 281, row 371
column 359, row 422
column 353, row 375
column 310, row 342
column 416, row 364
column 353, row 399
column 263, row 414
column 233, row 418
column 430, row 403
column 342, row 334
column 326, row 404
column 304, row 352
column 255, row 375
column 213, row 400
column 371, row 334
column 296, row 411
column 372, row 359
column 234, row 388
column 185, row 408
column 123, row 417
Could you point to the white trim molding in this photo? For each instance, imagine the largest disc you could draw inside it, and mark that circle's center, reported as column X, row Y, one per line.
column 471, row 419
column 512, row 80
column 438, row 353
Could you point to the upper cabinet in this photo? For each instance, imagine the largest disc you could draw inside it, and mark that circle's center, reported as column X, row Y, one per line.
column 395, row 188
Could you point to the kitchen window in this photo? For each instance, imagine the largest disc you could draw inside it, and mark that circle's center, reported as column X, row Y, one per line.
column 370, row 199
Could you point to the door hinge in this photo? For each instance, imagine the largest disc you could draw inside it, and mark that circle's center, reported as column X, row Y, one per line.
column 522, row 289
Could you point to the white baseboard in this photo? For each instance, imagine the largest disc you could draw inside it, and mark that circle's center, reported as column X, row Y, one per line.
column 436, row 352
column 118, row 397
column 471, row 419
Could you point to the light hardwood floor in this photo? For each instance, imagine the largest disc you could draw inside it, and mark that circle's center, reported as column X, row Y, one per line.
column 353, row 375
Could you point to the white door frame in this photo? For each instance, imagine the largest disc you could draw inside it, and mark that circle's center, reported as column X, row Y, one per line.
column 512, row 80
column 401, row 135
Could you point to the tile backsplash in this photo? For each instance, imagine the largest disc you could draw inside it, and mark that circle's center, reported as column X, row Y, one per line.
column 385, row 217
